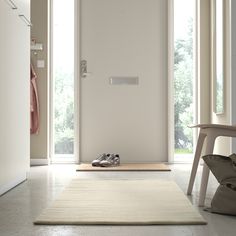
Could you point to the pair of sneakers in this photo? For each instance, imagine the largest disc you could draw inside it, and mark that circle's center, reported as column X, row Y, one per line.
column 107, row 160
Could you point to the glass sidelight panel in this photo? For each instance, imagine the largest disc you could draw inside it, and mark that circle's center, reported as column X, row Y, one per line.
column 184, row 28
column 218, row 55
column 63, row 79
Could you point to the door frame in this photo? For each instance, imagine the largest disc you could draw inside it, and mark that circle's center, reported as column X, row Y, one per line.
column 77, row 82
column 171, row 114
column 77, row 92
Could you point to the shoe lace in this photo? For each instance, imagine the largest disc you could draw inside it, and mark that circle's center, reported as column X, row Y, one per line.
column 112, row 157
column 101, row 156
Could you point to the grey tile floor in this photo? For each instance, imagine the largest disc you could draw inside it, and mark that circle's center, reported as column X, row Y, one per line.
column 20, row 206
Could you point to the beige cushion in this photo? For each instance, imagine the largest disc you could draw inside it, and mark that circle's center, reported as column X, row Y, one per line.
column 224, row 169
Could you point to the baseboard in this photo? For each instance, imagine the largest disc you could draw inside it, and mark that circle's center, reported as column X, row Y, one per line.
column 40, row 162
column 8, row 186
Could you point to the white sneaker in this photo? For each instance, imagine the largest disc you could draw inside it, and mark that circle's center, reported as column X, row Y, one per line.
column 112, row 160
column 100, row 158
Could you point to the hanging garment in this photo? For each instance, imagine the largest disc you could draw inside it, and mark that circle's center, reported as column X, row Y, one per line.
column 34, row 103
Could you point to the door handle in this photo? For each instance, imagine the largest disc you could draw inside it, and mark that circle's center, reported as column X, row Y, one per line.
column 83, row 69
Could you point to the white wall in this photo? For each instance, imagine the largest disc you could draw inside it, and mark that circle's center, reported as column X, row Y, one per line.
column 223, row 144
column 14, row 96
column 39, row 31
column 203, row 61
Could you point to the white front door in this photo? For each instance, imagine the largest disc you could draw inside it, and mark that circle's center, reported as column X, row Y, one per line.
column 124, row 41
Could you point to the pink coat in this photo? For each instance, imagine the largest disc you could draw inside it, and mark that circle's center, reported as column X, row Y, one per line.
column 34, row 103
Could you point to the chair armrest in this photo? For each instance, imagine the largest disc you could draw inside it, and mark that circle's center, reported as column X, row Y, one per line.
column 217, row 126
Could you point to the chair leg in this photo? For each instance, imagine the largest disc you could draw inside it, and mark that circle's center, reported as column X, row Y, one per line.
column 205, row 171
column 204, row 182
column 196, row 159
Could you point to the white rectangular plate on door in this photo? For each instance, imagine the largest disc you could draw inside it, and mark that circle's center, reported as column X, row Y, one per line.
column 124, row 80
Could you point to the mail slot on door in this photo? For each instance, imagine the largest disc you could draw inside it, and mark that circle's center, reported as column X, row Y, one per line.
column 124, row 80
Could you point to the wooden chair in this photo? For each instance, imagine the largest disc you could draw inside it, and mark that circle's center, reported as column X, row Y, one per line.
column 209, row 132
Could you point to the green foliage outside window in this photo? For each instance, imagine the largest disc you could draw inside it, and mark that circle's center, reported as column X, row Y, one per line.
column 183, row 97
column 64, row 113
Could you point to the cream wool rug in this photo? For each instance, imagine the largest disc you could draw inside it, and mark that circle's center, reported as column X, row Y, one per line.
column 125, row 202
column 126, row 167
